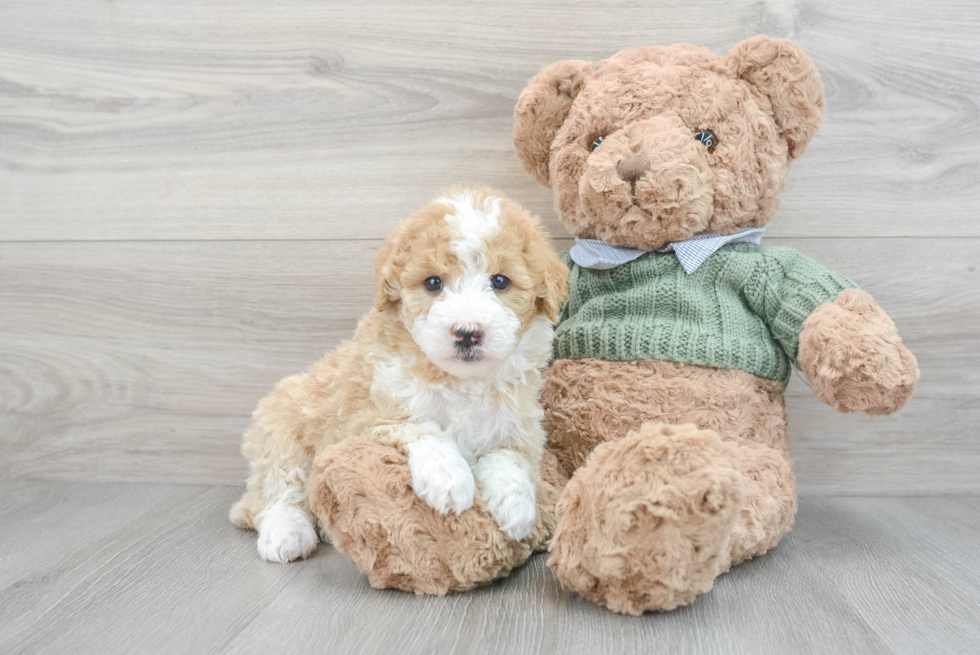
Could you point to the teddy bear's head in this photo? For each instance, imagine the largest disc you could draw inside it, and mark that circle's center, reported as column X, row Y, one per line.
column 657, row 144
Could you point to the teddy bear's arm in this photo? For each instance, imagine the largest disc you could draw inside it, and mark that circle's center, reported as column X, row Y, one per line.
column 851, row 353
column 845, row 344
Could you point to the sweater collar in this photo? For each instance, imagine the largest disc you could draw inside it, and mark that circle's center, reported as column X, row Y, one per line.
column 691, row 253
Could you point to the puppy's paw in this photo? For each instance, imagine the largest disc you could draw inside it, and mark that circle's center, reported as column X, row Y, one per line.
column 440, row 475
column 514, row 511
column 285, row 534
column 509, row 494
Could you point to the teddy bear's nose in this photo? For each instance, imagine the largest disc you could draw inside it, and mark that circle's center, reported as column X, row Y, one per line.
column 632, row 167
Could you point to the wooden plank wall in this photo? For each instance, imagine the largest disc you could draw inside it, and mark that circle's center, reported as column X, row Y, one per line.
column 191, row 193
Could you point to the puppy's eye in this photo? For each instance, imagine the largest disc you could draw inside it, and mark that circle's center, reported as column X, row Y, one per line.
column 708, row 138
column 598, row 142
column 499, row 282
column 433, row 283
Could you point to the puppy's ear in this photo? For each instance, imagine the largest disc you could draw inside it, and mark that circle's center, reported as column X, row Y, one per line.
column 784, row 74
column 548, row 271
column 386, row 272
column 542, row 109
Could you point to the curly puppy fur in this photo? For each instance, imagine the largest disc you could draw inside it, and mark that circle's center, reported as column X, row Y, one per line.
column 398, row 541
column 448, row 375
column 851, row 353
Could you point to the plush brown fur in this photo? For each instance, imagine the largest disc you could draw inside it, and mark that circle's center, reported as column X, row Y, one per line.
column 851, row 353
column 542, row 108
column 362, row 491
column 678, row 471
column 646, row 522
column 763, row 101
column 736, row 427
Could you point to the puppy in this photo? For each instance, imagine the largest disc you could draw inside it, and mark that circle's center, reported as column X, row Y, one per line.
column 446, row 366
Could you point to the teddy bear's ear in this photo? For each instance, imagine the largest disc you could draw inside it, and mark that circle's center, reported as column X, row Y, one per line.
column 781, row 71
column 542, row 109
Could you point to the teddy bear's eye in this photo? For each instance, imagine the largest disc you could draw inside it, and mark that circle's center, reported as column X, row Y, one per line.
column 597, row 142
column 708, row 138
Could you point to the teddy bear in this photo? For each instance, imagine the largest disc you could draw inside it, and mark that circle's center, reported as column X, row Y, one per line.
column 664, row 403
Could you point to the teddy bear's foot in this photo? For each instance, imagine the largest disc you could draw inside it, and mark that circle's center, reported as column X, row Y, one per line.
column 646, row 523
column 362, row 492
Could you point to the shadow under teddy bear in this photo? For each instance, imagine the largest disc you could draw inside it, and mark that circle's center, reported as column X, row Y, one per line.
column 664, row 406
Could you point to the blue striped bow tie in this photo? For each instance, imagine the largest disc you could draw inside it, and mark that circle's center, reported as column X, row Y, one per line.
column 691, row 253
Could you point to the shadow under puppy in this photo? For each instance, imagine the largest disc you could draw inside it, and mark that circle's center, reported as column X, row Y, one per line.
column 443, row 372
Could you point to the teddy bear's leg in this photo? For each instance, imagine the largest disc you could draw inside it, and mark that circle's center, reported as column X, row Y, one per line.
column 652, row 519
column 769, row 500
column 702, row 478
column 362, row 492
column 647, row 522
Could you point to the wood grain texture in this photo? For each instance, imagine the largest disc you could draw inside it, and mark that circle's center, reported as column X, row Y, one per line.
column 115, row 568
column 191, row 194
column 246, row 120
column 142, row 361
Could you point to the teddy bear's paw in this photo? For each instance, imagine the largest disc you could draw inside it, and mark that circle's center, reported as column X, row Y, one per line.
column 508, row 493
column 646, row 524
column 285, row 534
column 440, row 475
column 362, row 491
column 851, row 353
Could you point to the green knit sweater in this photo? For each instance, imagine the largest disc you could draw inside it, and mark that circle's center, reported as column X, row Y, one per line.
column 743, row 309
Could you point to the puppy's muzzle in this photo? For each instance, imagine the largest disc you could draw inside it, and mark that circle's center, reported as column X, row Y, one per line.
column 467, row 338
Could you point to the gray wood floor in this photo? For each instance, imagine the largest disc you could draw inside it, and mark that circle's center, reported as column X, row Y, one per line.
column 126, row 568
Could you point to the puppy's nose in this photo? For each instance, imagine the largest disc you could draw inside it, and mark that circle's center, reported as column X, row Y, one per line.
column 467, row 337
column 632, row 167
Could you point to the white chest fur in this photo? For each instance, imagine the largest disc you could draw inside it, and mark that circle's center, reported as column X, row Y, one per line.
column 478, row 414
column 471, row 413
